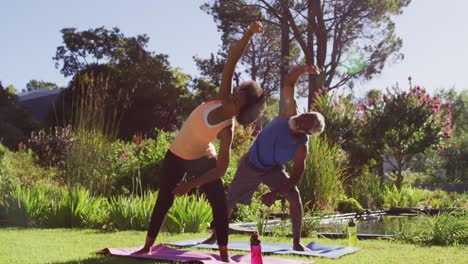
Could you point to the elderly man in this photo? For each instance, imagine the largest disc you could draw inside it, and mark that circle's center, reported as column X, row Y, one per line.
column 284, row 139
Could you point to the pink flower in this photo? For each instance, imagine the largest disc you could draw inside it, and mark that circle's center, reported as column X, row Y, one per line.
column 21, row 146
column 138, row 139
column 409, row 78
column 385, row 98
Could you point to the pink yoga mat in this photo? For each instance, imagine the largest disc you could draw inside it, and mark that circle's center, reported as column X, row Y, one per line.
column 161, row 252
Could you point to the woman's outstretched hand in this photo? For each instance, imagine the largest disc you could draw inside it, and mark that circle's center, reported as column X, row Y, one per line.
column 182, row 188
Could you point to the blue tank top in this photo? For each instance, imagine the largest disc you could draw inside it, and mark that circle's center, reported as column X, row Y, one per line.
column 275, row 145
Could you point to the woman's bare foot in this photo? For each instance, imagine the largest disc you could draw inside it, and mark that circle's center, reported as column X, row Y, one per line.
column 149, row 241
column 223, row 253
column 142, row 251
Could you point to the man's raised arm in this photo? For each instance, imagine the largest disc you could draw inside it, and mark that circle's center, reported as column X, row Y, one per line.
column 290, row 108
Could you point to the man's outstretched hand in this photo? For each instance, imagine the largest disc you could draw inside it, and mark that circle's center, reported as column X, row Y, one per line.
column 269, row 198
column 256, row 27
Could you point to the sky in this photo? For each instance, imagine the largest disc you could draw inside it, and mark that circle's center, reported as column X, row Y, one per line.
column 434, row 33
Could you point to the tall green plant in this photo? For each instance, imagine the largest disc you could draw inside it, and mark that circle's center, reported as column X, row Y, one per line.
column 88, row 163
column 131, row 212
column 27, row 206
column 73, row 208
column 367, row 189
column 322, row 181
column 191, row 214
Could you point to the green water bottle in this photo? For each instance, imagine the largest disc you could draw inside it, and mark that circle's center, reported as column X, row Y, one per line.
column 352, row 233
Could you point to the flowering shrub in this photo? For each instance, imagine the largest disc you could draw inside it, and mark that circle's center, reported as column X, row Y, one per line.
column 51, row 148
column 343, row 127
column 402, row 124
column 340, row 115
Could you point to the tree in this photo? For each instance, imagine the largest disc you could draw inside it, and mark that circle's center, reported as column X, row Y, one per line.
column 35, row 84
column 401, row 125
column 16, row 123
column 11, row 89
column 143, row 91
column 95, row 46
column 262, row 58
column 328, row 32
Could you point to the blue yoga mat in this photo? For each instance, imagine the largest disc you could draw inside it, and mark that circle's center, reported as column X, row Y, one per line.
column 315, row 249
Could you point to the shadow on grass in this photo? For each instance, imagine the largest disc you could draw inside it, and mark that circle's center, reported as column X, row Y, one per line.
column 101, row 259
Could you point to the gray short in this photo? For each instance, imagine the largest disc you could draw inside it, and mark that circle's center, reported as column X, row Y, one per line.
column 248, row 178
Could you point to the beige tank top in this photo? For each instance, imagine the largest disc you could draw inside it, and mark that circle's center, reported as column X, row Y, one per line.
column 194, row 138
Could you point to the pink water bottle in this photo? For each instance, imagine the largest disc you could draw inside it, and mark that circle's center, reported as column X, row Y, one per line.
column 255, row 250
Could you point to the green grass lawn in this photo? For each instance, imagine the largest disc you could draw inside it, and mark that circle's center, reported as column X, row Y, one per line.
column 66, row 246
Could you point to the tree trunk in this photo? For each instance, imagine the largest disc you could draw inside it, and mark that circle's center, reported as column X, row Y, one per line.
column 399, row 179
column 316, row 37
column 284, row 59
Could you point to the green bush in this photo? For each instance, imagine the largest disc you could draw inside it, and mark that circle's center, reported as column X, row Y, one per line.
column 349, row 205
column 410, row 197
column 444, row 229
column 19, row 169
column 139, row 162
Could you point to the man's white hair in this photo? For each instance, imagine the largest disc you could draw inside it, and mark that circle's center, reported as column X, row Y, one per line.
column 319, row 122
column 320, row 127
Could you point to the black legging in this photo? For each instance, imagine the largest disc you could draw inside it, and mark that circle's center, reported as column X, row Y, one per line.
column 174, row 169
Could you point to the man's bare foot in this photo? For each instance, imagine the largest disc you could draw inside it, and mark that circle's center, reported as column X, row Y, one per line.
column 299, row 247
